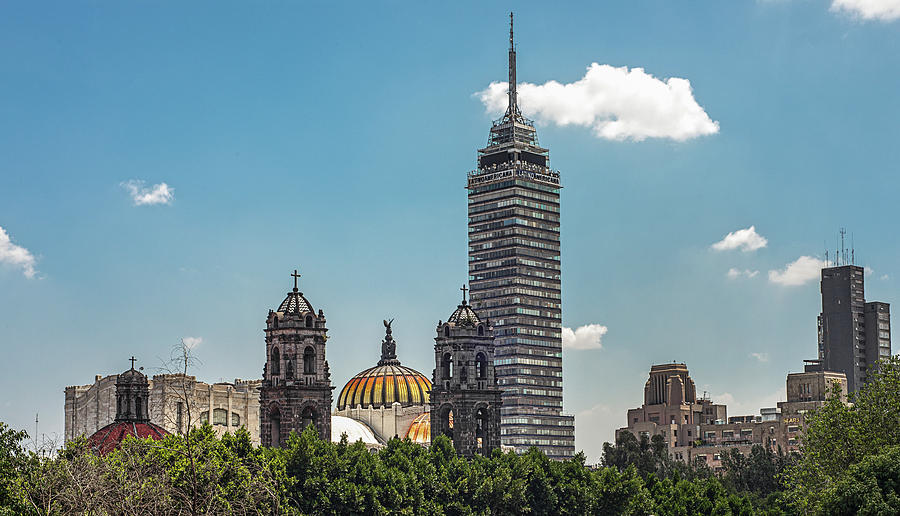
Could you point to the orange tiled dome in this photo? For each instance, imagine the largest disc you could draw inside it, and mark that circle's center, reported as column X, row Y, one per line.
column 420, row 429
column 383, row 385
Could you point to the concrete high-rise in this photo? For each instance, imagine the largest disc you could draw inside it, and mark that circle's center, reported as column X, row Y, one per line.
column 853, row 334
column 514, row 272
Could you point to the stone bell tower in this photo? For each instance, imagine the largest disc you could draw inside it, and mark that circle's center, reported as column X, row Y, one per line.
column 296, row 387
column 465, row 398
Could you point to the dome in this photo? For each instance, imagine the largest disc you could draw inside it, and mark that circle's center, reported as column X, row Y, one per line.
column 295, row 303
column 383, row 385
column 111, row 436
column 420, row 429
column 464, row 316
column 354, row 429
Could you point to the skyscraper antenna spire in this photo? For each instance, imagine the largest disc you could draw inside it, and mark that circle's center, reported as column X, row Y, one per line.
column 513, row 100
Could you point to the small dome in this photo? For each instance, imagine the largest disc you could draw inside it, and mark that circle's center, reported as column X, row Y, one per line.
column 111, row 436
column 295, row 303
column 383, row 385
column 354, row 429
column 420, row 429
column 464, row 316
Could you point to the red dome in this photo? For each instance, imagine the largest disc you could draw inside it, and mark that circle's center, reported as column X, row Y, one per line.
column 110, row 436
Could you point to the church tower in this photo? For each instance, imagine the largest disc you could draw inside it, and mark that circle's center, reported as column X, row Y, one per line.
column 465, row 398
column 296, row 387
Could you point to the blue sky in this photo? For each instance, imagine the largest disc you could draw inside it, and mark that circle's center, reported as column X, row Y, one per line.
column 336, row 140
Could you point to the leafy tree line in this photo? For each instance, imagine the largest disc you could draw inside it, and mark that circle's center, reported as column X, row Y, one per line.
column 850, row 464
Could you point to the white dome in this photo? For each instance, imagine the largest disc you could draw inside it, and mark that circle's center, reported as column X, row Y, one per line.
column 354, row 429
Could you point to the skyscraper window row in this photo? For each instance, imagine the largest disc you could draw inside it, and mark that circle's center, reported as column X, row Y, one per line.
column 507, row 242
column 525, row 361
column 523, row 351
column 512, row 262
column 549, row 237
column 509, row 212
column 535, row 332
column 513, row 271
column 544, row 254
column 533, row 392
column 543, row 373
column 504, row 185
column 541, row 382
column 511, row 200
column 525, row 321
column 550, row 285
column 528, row 301
column 517, row 222
column 543, row 294
column 518, row 430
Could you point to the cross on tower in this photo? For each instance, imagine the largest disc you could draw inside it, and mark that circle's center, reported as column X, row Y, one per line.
column 296, row 276
column 132, row 361
column 464, row 289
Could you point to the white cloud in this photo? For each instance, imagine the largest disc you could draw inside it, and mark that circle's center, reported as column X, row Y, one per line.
column 762, row 357
column 617, row 103
column 737, row 273
column 142, row 195
column 744, row 239
column 868, row 270
column 884, row 10
column 884, row 277
column 584, row 337
column 192, row 342
column 800, row 271
column 16, row 255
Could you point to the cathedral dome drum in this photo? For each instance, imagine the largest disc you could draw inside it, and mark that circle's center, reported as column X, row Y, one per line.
column 386, row 383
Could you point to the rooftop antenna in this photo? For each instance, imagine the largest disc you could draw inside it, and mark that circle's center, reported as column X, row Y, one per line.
column 35, row 432
column 513, row 107
column 852, row 250
column 825, row 245
column 843, row 247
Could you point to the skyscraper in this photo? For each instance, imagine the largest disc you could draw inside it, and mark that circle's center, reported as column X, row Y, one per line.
column 853, row 334
column 514, row 272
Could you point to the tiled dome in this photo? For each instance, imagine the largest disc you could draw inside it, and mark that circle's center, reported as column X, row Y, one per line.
column 111, row 436
column 295, row 303
column 382, row 385
column 420, row 429
column 464, row 316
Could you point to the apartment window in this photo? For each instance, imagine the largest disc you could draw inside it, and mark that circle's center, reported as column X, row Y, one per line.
column 717, row 456
column 709, row 435
column 220, row 417
column 793, row 428
column 727, row 433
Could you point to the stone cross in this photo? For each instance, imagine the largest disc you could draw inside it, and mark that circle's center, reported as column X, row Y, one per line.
column 295, row 275
column 464, row 289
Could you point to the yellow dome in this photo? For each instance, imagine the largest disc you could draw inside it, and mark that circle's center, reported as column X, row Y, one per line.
column 383, row 385
column 420, row 429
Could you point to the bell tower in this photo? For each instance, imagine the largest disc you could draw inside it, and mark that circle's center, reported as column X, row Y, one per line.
column 465, row 398
column 296, row 387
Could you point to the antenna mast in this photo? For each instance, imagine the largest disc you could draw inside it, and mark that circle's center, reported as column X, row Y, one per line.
column 513, row 101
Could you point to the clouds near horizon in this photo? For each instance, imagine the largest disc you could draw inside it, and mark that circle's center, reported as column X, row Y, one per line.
column 16, row 255
column 588, row 336
column 799, row 272
column 142, row 195
column 617, row 103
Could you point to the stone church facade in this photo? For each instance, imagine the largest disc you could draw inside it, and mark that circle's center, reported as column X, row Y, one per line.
column 176, row 402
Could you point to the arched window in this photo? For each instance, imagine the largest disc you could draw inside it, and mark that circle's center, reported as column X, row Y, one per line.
column 446, row 331
column 481, row 366
column 276, row 361
column 289, row 369
column 275, row 427
column 309, row 360
column 447, row 366
column 220, row 417
column 480, row 331
column 446, row 421
column 463, row 372
column 235, row 419
column 309, row 321
column 275, row 322
column 481, row 424
column 308, row 417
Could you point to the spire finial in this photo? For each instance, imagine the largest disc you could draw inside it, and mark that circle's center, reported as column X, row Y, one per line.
column 296, row 276
column 464, row 289
column 513, row 101
column 132, row 361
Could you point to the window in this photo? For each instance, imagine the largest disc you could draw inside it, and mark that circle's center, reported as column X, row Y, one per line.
column 309, row 360
column 276, row 361
column 235, row 419
column 481, row 365
column 204, row 417
column 727, row 434
column 289, row 369
column 220, row 417
column 717, row 456
column 709, row 435
column 793, row 428
column 309, row 321
column 446, row 331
